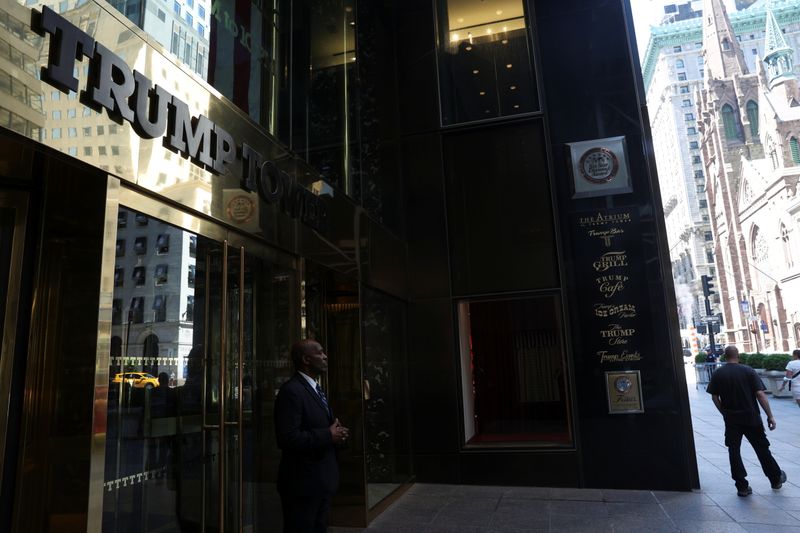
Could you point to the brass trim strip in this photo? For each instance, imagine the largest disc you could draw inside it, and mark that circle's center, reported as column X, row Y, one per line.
column 19, row 201
column 223, row 365
column 94, row 521
column 240, row 415
column 204, row 410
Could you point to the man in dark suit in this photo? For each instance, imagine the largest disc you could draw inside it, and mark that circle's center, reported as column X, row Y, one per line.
column 307, row 434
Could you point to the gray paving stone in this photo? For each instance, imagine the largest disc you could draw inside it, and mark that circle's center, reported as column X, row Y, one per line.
column 689, row 498
column 630, row 524
column 576, row 494
column 645, row 510
column 580, row 524
column 690, row 526
column 698, row 513
column 632, row 496
column 774, row 517
column 573, row 508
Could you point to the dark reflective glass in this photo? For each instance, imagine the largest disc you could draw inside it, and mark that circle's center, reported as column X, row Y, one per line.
column 499, row 211
column 386, row 423
column 485, row 66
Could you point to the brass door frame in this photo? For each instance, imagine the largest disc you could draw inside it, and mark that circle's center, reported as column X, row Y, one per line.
column 124, row 194
column 19, row 201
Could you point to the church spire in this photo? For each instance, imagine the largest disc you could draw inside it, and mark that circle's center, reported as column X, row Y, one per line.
column 723, row 56
column 778, row 56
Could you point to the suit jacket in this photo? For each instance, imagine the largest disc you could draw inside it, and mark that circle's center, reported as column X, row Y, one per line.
column 308, row 461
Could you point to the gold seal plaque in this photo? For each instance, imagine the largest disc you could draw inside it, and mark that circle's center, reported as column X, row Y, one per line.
column 624, row 390
column 599, row 167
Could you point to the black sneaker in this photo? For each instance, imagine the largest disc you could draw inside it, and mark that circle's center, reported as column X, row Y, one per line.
column 747, row 491
column 778, row 484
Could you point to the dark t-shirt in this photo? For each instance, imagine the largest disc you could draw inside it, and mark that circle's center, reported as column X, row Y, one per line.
column 736, row 385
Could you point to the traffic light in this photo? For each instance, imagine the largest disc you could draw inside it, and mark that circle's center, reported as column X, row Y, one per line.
column 708, row 285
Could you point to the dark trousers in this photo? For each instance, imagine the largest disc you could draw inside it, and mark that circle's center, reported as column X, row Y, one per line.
column 304, row 514
column 758, row 440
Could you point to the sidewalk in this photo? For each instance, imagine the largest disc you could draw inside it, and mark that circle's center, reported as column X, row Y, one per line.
column 715, row 508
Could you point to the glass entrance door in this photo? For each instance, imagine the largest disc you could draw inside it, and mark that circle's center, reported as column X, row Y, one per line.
column 200, row 337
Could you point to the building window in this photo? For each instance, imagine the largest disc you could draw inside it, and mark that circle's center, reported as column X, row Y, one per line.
column 752, row 118
column 709, row 236
column 160, row 308
column 116, row 311
column 122, row 219
column 694, row 145
column 760, row 248
column 136, row 312
column 72, row 132
column 176, row 8
column 703, row 204
column 696, row 160
column 726, row 44
column 87, row 131
column 701, row 189
column 686, row 103
column 161, row 16
column 681, row 76
column 56, row 114
column 794, row 148
column 87, row 150
column 201, row 30
column 698, row 174
column 189, row 19
column 193, row 246
column 676, row 49
column 684, row 89
column 141, row 220
column 101, row 150
column 100, row 130
column 119, row 276
column 87, row 112
column 691, row 131
column 162, row 244
column 140, row 246
column 56, row 133
column 139, row 274
column 201, row 12
column 787, row 246
column 189, row 309
column 120, row 250
column 73, row 151
column 484, row 62
column 754, row 51
column 729, row 123
column 161, row 274
column 71, row 113
column 679, row 63
column 190, row 279
column 115, row 150
column 513, row 372
column 688, row 116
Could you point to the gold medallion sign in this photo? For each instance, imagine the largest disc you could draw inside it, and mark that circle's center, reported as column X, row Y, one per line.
column 624, row 390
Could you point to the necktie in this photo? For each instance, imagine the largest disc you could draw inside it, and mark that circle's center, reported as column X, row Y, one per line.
column 323, row 398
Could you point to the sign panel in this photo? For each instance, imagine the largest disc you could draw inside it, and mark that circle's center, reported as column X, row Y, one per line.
column 599, row 167
column 624, row 390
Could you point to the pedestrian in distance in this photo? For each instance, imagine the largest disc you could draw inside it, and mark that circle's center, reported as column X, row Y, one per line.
column 307, row 434
column 792, row 376
column 737, row 391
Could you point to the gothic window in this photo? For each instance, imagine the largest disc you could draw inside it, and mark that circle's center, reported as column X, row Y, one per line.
column 760, row 246
column 679, row 63
column 787, row 247
column 729, row 123
column 726, row 44
column 752, row 117
column 795, row 149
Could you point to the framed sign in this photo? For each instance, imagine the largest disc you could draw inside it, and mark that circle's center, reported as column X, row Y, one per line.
column 599, row 167
column 624, row 391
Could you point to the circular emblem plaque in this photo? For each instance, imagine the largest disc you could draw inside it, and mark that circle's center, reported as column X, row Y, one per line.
column 622, row 384
column 598, row 165
column 240, row 209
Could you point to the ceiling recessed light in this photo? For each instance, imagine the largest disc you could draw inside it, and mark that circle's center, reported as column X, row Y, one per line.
column 516, row 106
column 513, row 87
column 475, row 71
column 499, row 11
column 482, row 93
column 454, row 37
column 468, row 48
column 353, row 23
column 488, row 30
column 352, row 58
column 509, row 65
column 487, row 111
column 505, row 28
column 505, row 41
column 461, row 19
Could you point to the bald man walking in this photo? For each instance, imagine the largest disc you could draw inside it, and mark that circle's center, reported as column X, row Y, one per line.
column 307, row 434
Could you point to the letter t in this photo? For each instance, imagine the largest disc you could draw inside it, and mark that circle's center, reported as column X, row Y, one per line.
column 67, row 44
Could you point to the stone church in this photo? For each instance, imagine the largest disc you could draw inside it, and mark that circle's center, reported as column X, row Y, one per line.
column 750, row 126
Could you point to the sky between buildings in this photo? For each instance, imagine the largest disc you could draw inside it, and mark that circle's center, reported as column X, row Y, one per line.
column 648, row 13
